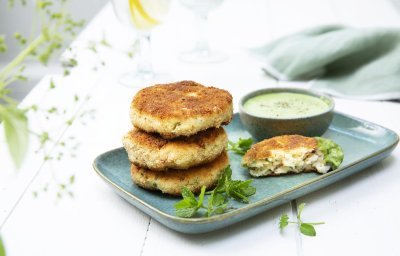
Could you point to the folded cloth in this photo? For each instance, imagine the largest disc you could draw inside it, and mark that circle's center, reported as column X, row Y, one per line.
column 346, row 62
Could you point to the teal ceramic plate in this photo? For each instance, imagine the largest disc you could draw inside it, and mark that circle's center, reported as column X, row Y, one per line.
column 364, row 144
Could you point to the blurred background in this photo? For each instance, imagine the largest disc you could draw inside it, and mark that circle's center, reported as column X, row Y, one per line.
column 235, row 31
column 18, row 19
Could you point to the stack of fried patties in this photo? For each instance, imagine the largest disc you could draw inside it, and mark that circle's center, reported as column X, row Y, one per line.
column 177, row 140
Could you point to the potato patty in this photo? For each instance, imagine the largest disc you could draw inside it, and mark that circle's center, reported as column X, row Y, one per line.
column 172, row 181
column 180, row 109
column 151, row 151
column 285, row 154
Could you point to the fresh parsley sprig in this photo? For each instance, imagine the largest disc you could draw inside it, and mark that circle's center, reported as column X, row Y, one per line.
column 241, row 146
column 219, row 197
column 306, row 228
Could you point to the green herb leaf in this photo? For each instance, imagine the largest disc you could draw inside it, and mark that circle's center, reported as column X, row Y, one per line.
column 16, row 131
column 237, row 189
column 218, row 200
column 71, row 179
column 2, row 249
column 217, row 203
column 241, row 146
column 52, row 84
column 185, row 212
column 283, row 221
column 201, row 197
column 307, row 229
column 3, row 46
column 300, row 209
column 188, row 207
column 189, row 196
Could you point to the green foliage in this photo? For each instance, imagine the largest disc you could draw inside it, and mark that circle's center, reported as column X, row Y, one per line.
column 306, row 228
column 3, row 46
column 67, row 146
column 2, row 249
column 283, row 221
column 11, row 3
column 21, row 40
column 189, row 205
column 54, row 24
column 219, row 197
column 241, row 146
column 237, row 189
column 16, row 131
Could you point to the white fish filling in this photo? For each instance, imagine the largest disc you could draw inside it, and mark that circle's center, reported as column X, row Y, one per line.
column 296, row 161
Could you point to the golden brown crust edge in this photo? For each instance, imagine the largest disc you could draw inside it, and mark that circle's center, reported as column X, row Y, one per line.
column 262, row 150
column 180, row 109
column 158, row 154
column 173, row 181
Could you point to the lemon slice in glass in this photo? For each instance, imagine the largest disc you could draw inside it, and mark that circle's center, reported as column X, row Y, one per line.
column 140, row 16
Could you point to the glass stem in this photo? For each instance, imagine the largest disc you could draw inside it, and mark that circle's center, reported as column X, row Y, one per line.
column 202, row 45
column 144, row 65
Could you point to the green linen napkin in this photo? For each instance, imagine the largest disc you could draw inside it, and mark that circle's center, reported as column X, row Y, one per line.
column 346, row 62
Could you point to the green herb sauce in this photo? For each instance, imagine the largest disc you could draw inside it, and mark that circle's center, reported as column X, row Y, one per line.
column 285, row 105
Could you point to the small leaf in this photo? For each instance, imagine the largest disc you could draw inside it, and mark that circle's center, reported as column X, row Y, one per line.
column 52, row 84
column 201, row 196
column 248, row 191
column 223, row 179
column 186, row 193
column 3, row 46
column 2, row 249
column 241, row 146
column 307, row 229
column 188, row 206
column 219, row 199
column 221, row 209
column 186, row 212
column 300, row 210
column 16, row 132
column 186, row 203
column 283, row 221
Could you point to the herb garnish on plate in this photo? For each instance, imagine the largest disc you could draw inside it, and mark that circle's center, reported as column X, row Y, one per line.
column 217, row 202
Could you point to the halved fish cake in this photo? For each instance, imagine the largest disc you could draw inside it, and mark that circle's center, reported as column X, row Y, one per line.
column 180, row 109
column 172, row 181
column 292, row 154
column 151, row 151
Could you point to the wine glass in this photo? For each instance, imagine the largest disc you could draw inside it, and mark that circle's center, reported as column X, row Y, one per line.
column 143, row 15
column 202, row 53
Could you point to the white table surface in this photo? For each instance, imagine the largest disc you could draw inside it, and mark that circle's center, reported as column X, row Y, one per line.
column 361, row 212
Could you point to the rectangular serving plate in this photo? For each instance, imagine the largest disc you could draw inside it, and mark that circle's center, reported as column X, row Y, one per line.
column 363, row 143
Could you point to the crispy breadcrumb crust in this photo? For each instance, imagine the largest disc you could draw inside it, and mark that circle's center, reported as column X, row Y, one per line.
column 180, row 109
column 151, row 151
column 262, row 150
column 172, row 181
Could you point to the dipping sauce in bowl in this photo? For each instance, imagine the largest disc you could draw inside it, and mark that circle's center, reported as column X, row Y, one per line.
column 285, row 105
column 272, row 112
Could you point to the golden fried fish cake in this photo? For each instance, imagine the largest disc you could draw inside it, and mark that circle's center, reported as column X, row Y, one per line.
column 285, row 154
column 180, row 109
column 172, row 181
column 151, row 151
